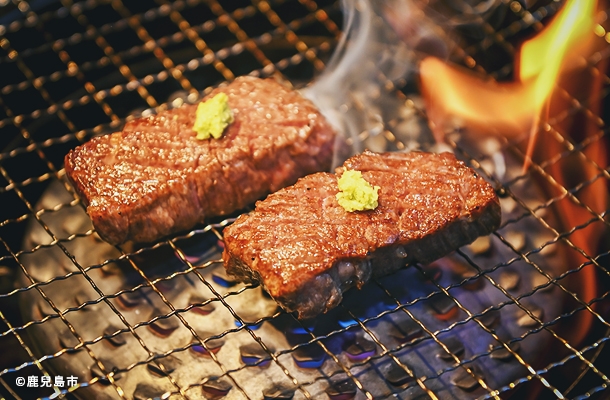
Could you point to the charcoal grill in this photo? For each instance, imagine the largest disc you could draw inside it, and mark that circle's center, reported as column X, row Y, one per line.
column 498, row 318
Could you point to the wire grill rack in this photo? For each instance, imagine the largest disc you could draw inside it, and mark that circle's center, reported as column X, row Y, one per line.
column 512, row 314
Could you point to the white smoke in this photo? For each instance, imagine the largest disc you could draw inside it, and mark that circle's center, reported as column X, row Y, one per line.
column 356, row 91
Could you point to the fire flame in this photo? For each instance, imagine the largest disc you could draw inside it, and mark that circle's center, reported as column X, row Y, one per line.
column 485, row 107
column 508, row 108
column 542, row 57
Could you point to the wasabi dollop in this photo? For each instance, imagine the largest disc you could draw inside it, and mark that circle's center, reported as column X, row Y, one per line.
column 212, row 117
column 356, row 194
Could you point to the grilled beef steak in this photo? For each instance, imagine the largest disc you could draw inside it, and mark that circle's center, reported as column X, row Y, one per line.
column 306, row 249
column 155, row 178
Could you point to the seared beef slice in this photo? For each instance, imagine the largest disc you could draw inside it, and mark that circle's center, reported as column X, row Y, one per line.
column 306, row 249
column 155, row 178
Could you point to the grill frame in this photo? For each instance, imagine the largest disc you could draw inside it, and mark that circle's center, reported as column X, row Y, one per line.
column 29, row 145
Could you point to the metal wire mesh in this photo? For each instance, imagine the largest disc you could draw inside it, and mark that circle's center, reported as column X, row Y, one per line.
column 72, row 70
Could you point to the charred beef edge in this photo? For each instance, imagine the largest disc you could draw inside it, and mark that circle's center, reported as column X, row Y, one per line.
column 324, row 292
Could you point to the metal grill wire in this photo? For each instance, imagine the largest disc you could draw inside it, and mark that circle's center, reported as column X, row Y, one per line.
column 121, row 56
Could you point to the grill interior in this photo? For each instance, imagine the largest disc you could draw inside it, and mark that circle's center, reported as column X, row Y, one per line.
column 500, row 317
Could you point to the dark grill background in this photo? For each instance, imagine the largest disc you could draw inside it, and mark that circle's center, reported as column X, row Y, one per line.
column 72, row 70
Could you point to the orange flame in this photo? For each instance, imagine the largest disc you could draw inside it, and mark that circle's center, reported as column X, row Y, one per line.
column 457, row 97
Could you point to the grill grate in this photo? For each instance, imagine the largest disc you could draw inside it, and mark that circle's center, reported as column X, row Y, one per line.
column 494, row 319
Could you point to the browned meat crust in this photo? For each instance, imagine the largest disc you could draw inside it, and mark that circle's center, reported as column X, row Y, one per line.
column 155, row 178
column 306, row 250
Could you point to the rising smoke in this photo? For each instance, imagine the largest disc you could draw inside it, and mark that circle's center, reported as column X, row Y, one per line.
column 380, row 50
column 355, row 92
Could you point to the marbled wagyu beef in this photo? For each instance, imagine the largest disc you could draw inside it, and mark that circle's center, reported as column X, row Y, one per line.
column 155, row 177
column 306, row 250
